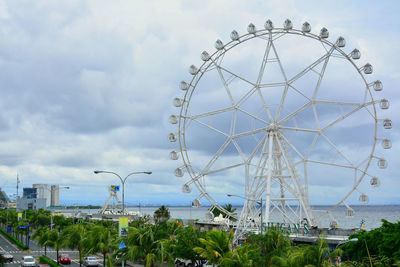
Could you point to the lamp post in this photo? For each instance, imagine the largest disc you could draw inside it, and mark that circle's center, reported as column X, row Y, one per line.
column 258, row 202
column 123, row 183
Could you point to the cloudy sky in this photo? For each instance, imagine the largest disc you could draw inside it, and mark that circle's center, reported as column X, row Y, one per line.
column 88, row 85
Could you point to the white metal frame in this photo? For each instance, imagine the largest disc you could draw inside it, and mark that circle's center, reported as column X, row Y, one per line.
column 275, row 170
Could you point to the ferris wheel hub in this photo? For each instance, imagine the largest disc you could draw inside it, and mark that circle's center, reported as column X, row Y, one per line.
column 273, row 127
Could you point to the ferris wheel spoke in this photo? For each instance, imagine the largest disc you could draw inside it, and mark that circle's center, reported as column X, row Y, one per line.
column 299, row 92
column 308, row 68
column 264, row 104
column 239, row 149
column 292, row 146
column 337, row 150
column 233, row 74
column 228, row 91
column 246, row 96
column 214, row 112
column 212, row 128
column 253, row 116
column 293, row 114
column 249, row 132
column 278, row 113
column 330, row 164
column 315, row 115
column 256, row 149
column 321, row 75
column 299, row 129
column 336, row 103
column 264, row 62
column 357, row 108
column 309, row 150
column 216, row 156
column 222, row 169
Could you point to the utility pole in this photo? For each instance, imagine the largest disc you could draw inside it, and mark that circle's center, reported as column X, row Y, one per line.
column 18, row 181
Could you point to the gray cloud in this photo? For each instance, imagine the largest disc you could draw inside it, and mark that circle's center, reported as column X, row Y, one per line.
column 88, row 85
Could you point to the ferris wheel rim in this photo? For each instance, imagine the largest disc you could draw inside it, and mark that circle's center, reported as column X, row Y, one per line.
column 201, row 71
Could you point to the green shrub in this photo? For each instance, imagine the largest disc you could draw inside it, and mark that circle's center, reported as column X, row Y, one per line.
column 13, row 239
column 45, row 260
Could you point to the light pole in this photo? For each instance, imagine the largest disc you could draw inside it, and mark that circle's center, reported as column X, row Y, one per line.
column 258, row 202
column 123, row 183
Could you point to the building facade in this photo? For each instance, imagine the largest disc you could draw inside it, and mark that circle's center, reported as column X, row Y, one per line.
column 55, row 196
column 30, row 203
column 39, row 196
column 44, row 191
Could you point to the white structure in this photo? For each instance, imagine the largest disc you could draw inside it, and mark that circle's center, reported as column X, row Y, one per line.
column 282, row 123
column 49, row 192
column 55, row 195
column 43, row 191
column 112, row 200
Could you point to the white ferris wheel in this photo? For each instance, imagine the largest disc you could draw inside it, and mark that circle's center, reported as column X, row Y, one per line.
column 286, row 116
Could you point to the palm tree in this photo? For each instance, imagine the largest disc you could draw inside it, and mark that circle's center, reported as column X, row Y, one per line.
column 102, row 240
column 42, row 236
column 142, row 244
column 161, row 214
column 272, row 243
column 183, row 242
column 241, row 257
column 56, row 241
column 217, row 245
column 316, row 255
column 74, row 238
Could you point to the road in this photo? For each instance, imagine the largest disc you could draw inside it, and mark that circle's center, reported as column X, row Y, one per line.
column 35, row 251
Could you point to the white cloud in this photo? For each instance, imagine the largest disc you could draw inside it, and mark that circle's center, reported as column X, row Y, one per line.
column 88, row 84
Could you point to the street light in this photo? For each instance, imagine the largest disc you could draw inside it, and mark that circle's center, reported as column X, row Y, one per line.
column 257, row 201
column 123, row 183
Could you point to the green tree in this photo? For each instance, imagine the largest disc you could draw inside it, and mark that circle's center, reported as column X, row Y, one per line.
column 271, row 243
column 242, row 256
column 317, row 255
column 183, row 243
column 61, row 222
column 56, row 241
column 215, row 246
column 42, row 237
column 142, row 244
column 380, row 244
column 74, row 238
column 42, row 220
column 102, row 240
column 161, row 214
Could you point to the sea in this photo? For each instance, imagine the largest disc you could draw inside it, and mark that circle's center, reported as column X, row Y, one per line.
column 369, row 214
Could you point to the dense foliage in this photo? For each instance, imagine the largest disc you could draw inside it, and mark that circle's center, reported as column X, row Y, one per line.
column 381, row 244
column 164, row 242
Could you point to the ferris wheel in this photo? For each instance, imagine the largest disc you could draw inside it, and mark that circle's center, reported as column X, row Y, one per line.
column 288, row 117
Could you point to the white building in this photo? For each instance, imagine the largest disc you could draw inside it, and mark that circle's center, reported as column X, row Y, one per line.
column 49, row 192
column 43, row 191
column 55, row 195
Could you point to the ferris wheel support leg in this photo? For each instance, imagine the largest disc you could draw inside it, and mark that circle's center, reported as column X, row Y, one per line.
column 300, row 193
column 269, row 178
